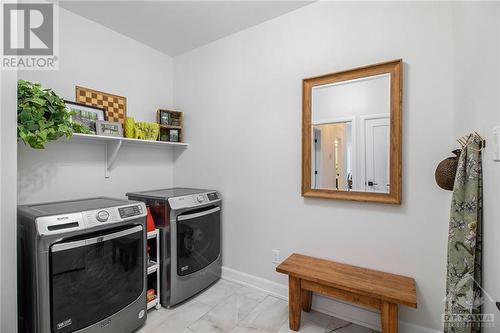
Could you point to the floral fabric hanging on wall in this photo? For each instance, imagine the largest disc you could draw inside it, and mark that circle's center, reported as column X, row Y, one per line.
column 463, row 283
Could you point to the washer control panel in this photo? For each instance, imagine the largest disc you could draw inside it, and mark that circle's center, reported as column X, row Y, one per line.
column 126, row 212
column 57, row 224
column 96, row 217
column 102, row 216
column 113, row 214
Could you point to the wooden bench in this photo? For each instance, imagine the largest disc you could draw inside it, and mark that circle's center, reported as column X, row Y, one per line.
column 370, row 288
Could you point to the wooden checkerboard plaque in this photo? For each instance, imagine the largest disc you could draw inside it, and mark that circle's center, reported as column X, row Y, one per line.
column 115, row 106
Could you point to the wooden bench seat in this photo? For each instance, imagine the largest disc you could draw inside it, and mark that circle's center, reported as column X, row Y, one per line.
column 374, row 289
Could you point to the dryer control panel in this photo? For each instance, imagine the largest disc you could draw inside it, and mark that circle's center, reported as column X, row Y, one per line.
column 212, row 196
column 193, row 200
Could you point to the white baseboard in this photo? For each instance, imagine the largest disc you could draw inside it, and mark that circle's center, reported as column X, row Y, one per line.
column 349, row 312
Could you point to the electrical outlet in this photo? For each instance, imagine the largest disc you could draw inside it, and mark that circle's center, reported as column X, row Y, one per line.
column 276, row 256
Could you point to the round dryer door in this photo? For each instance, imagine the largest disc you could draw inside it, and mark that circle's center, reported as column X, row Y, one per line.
column 198, row 239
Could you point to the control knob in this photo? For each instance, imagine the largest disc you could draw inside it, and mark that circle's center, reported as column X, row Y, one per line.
column 200, row 198
column 102, row 216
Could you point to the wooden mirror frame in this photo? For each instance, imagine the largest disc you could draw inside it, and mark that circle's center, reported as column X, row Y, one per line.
column 395, row 69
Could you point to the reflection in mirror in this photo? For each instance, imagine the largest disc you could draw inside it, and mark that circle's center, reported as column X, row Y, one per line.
column 332, row 161
column 351, row 135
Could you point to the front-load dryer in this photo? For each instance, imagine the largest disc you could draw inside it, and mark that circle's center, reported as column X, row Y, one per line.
column 190, row 232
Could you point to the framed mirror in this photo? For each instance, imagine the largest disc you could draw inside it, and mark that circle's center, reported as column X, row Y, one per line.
column 351, row 134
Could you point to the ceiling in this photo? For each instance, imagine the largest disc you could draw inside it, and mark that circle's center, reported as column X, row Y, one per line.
column 175, row 27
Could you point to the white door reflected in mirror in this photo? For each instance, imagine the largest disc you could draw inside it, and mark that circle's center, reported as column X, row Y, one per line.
column 351, row 135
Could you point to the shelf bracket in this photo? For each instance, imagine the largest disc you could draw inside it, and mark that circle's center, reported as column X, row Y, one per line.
column 112, row 148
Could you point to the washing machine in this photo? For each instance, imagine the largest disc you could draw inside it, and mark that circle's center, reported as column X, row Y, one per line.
column 81, row 266
column 189, row 221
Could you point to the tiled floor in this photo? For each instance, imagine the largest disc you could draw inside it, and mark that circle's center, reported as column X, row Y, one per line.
column 231, row 308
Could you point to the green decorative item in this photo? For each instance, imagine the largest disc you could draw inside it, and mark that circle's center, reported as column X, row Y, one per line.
column 139, row 134
column 149, row 131
column 129, row 127
column 42, row 116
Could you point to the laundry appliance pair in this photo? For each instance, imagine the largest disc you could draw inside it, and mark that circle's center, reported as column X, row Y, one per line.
column 82, row 263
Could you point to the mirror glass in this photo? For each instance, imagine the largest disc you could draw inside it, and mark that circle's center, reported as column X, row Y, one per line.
column 351, row 135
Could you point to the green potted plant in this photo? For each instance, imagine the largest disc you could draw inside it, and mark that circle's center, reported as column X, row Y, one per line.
column 42, row 116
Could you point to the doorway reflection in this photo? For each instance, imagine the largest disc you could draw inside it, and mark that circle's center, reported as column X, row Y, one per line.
column 332, row 167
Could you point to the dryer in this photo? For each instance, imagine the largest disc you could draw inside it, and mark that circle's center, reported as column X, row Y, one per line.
column 190, row 232
column 81, row 266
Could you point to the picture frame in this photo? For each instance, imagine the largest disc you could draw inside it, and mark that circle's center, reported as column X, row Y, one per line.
column 164, row 136
column 115, row 106
column 164, row 117
column 86, row 115
column 171, row 125
column 109, row 128
column 174, row 135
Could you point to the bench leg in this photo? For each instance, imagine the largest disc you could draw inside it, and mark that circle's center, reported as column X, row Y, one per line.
column 389, row 317
column 306, row 300
column 294, row 303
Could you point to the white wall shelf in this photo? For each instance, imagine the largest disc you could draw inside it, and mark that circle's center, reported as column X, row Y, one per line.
column 154, row 268
column 153, row 234
column 113, row 145
column 153, row 303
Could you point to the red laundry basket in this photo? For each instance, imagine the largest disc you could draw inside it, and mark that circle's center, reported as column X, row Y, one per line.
column 150, row 221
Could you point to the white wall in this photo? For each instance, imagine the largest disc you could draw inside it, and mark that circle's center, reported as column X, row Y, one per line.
column 242, row 98
column 477, row 108
column 96, row 57
column 8, row 172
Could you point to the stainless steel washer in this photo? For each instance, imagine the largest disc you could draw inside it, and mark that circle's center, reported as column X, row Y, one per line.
column 81, row 266
column 190, row 231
